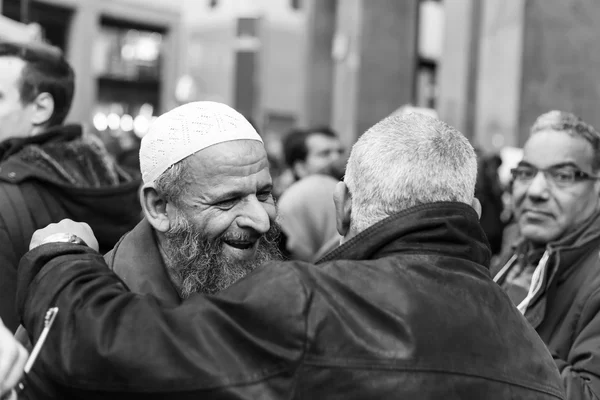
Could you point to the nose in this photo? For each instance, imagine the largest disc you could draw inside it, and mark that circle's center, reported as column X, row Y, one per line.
column 255, row 217
column 538, row 187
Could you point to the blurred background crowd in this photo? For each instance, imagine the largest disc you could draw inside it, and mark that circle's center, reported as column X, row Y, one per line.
column 334, row 67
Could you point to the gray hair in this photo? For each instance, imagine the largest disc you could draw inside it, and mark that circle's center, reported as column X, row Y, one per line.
column 404, row 161
column 567, row 122
column 174, row 182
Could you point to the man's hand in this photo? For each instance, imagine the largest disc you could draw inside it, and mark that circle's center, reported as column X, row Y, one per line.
column 79, row 229
column 12, row 360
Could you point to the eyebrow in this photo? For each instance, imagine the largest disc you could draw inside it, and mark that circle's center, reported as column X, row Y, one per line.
column 559, row 165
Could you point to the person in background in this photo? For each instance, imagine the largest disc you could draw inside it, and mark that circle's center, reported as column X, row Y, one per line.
column 314, row 151
column 307, row 216
column 50, row 171
column 552, row 273
column 307, row 213
column 489, row 192
column 404, row 308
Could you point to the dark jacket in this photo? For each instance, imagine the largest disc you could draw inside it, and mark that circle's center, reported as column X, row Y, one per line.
column 405, row 310
column 52, row 176
column 137, row 261
column 566, row 313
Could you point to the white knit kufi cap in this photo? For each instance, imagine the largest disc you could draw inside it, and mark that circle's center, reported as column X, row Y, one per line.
column 186, row 130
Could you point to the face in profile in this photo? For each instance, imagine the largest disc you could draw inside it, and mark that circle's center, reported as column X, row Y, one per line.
column 15, row 117
column 226, row 227
column 553, row 189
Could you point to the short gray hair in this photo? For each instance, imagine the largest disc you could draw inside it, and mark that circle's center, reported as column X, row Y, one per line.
column 570, row 123
column 173, row 184
column 405, row 161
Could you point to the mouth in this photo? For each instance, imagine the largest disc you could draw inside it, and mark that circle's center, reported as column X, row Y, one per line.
column 533, row 214
column 241, row 244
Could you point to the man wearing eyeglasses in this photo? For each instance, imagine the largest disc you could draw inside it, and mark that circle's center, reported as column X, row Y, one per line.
column 553, row 271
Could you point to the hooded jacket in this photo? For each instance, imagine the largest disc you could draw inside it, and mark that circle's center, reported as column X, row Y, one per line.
column 566, row 310
column 404, row 310
column 52, row 176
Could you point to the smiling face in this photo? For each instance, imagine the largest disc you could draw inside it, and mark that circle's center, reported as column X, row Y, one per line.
column 546, row 212
column 224, row 227
column 230, row 197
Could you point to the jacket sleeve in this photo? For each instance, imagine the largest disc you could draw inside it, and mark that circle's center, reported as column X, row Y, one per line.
column 106, row 338
column 8, row 280
column 581, row 371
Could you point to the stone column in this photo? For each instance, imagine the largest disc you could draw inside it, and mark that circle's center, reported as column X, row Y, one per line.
column 375, row 61
column 83, row 31
column 458, row 66
column 321, row 22
column 499, row 78
column 561, row 56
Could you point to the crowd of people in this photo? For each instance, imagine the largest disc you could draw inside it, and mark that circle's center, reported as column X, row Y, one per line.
column 383, row 272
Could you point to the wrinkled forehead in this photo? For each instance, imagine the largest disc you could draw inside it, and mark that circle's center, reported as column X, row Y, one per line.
column 233, row 158
column 550, row 147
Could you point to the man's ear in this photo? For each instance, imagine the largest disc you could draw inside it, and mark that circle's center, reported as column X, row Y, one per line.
column 343, row 208
column 43, row 108
column 155, row 209
column 476, row 206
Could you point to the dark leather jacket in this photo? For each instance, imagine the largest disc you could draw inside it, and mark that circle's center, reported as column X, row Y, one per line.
column 406, row 309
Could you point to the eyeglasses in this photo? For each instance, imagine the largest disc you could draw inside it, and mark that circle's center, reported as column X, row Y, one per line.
column 560, row 176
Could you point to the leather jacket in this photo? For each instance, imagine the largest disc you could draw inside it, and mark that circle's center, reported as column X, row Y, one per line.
column 406, row 309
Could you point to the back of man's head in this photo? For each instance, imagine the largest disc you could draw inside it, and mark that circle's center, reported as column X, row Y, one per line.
column 405, row 161
column 45, row 71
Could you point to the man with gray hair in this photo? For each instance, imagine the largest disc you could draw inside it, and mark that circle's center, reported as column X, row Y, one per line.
column 552, row 273
column 206, row 198
column 404, row 308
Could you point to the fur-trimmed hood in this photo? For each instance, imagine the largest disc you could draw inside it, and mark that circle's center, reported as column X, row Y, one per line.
column 62, row 156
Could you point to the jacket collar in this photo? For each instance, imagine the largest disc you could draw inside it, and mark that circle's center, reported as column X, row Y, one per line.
column 448, row 228
column 138, row 262
column 62, row 133
column 565, row 256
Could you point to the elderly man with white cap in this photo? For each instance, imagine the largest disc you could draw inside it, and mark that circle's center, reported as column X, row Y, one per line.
column 209, row 212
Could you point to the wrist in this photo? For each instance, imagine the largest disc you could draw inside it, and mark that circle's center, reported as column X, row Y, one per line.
column 63, row 237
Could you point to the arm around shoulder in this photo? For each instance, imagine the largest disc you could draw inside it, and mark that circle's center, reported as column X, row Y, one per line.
column 109, row 339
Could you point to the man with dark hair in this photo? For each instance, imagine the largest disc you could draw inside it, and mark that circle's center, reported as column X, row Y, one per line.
column 314, row 151
column 315, row 157
column 49, row 171
column 552, row 273
column 42, row 83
